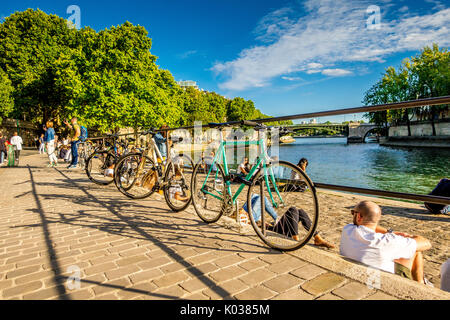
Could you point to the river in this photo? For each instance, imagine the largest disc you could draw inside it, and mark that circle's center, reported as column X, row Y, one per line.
column 369, row 165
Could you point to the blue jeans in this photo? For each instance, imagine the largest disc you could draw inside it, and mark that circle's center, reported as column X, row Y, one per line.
column 2, row 156
column 74, row 149
column 256, row 208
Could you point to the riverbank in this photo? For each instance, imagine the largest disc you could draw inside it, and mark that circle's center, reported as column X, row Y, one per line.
column 303, row 137
column 417, row 142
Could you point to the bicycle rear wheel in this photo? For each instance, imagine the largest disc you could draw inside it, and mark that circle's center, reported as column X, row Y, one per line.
column 288, row 194
column 97, row 166
column 208, row 192
column 177, row 182
column 134, row 183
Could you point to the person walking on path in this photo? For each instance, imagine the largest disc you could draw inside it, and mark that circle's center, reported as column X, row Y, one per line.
column 17, row 142
column 41, row 144
column 75, row 135
column 49, row 140
column 395, row 252
column 3, row 151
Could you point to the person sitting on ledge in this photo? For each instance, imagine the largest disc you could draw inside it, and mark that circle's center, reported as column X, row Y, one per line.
column 244, row 167
column 395, row 252
column 442, row 189
column 287, row 224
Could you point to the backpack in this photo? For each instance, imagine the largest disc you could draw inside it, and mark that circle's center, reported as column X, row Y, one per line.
column 83, row 133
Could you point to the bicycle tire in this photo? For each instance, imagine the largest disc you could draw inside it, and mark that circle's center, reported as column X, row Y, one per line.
column 198, row 196
column 95, row 171
column 183, row 186
column 298, row 191
column 132, row 189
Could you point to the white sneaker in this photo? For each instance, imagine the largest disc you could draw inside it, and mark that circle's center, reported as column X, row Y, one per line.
column 427, row 282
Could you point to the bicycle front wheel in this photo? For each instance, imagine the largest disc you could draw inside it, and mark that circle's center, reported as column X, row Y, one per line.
column 100, row 167
column 136, row 176
column 287, row 198
column 208, row 191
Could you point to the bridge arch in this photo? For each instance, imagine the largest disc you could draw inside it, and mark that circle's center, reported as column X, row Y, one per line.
column 357, row 132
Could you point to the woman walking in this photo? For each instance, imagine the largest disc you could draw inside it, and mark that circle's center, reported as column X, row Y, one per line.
column 49, row 140
column 41, row 144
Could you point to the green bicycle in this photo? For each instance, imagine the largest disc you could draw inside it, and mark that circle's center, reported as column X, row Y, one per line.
column 277, row 191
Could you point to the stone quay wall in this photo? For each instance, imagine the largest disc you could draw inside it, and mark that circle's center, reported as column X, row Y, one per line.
column 27, row 130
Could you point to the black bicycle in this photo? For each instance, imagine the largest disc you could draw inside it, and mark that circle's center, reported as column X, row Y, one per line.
column 100, row 164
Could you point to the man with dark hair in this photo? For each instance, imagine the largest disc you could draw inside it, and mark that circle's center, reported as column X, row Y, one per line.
column 75, row 135
column 395, row 252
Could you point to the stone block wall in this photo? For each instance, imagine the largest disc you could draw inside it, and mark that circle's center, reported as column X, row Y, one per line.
column 421, row 130
column 27, row 130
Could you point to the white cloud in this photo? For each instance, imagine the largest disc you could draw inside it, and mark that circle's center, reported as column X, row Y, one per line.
column 292, row 78
column 336, row 72
column 187, row 54
column 329, row 32
column 403, row 9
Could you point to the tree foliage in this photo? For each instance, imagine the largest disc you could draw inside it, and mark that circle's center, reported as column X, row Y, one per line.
column 6, row 99
column 423, row 76
column 107, row 79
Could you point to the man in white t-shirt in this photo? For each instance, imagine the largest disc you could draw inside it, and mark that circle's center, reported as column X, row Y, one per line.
column 16, row 141
column 396, row 252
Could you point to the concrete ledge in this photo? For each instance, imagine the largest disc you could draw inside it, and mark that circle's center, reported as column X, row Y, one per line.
column 417, row 141
column 389, row 283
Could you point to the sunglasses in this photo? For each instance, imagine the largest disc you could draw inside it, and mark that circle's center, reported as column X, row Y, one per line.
column 353, row 212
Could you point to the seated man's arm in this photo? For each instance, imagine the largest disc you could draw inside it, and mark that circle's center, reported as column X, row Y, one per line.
column 380, row 229
column 422, row 243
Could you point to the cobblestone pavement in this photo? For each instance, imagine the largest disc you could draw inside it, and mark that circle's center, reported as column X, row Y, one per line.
column 57, row 226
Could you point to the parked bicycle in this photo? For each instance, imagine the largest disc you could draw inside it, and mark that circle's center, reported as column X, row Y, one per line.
column 138, row 175
column 274, row 187
column 101, row 163
column 85, row 149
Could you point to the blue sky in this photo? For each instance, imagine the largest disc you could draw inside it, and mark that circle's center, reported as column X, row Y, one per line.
column 288, row 56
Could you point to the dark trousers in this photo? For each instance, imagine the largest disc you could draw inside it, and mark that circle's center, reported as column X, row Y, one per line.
column 17, row 154
column 288, row 224
column 74, row 148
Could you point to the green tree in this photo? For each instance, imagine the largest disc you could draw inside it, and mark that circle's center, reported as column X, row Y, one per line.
column 113, row 79
column 240, row 109
column 30, row 44
column 425, row 75
column 6, row 99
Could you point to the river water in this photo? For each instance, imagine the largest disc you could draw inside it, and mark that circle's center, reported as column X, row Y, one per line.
column 369, row 165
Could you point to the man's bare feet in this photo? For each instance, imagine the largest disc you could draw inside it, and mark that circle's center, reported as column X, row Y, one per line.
column 320, row 242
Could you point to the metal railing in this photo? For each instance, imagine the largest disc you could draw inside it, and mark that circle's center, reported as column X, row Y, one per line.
column 381, row 107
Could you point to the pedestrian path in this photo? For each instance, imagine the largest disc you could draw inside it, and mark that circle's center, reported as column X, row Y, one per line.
column 63, row 237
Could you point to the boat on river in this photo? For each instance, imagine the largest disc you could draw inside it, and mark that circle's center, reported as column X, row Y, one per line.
column 286, row 139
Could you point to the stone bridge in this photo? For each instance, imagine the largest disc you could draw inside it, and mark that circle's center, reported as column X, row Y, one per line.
column 355, row 132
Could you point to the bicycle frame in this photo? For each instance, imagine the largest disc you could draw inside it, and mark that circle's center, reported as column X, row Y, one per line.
column 156, row 154
column 262, row 160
